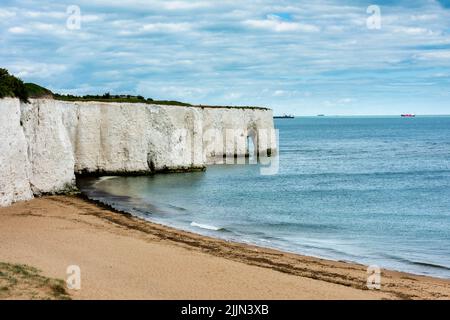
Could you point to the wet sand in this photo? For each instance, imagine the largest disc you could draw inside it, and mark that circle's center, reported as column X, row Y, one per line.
column 122, row 257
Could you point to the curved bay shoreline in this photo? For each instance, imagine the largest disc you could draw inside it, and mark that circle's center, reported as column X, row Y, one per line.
column 125, row 257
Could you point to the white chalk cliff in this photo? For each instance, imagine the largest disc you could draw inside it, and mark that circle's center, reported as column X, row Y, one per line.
column 44, row 143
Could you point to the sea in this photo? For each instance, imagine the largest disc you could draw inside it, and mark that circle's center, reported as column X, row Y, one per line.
column 371, row 190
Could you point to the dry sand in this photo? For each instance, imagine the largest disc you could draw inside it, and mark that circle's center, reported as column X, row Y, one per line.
column 122, row 257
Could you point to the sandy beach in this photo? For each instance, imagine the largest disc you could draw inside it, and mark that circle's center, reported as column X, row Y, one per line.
column 122, row 257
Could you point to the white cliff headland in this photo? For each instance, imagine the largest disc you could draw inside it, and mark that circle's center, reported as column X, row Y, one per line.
column 46, row 142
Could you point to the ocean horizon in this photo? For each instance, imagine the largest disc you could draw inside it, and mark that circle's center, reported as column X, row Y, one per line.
column 368, row 189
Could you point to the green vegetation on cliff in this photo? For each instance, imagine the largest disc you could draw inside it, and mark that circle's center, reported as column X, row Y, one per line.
column 11, row 86
column 107, row 97
column 36, row 91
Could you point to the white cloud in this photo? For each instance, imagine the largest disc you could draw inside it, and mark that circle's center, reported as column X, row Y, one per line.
column 17, row 30
column 339, row 102
column 413, row 31
column 87, row 18
column 346, row 100
column 40, row 28
column 44, row 14
column 425, row 17
column 172, row 90
column 166, row 27
column 273, row 23
column 154, row 5
column 33, row 69
column 185, row 5
column 279, row 93
column 233, row 96
column 443, row 54
column 127, row 28
column 7, row 14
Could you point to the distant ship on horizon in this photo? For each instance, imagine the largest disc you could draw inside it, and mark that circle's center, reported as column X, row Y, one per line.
column 408, row 115
column 285, row 116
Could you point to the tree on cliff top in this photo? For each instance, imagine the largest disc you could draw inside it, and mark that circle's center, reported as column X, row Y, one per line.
column 11, row 86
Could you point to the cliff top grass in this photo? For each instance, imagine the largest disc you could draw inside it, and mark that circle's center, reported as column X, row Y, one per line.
column 140, row 99
column 36, row 91
column 11, row 86
column 107, row 97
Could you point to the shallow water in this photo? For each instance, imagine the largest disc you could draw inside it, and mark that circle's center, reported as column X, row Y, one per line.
column 369, row 190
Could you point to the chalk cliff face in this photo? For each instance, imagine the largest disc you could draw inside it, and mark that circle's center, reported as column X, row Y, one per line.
column 46, row 142
column 50, row 154
column 14, row 162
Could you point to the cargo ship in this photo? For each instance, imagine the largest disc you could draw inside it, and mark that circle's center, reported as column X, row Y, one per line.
column 408, row 115
column 286, row 116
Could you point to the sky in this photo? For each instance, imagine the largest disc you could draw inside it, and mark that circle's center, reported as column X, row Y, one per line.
column 296, row 57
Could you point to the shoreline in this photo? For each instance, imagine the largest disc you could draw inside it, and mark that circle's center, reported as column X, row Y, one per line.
column 231, row 267
column 100, row 197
